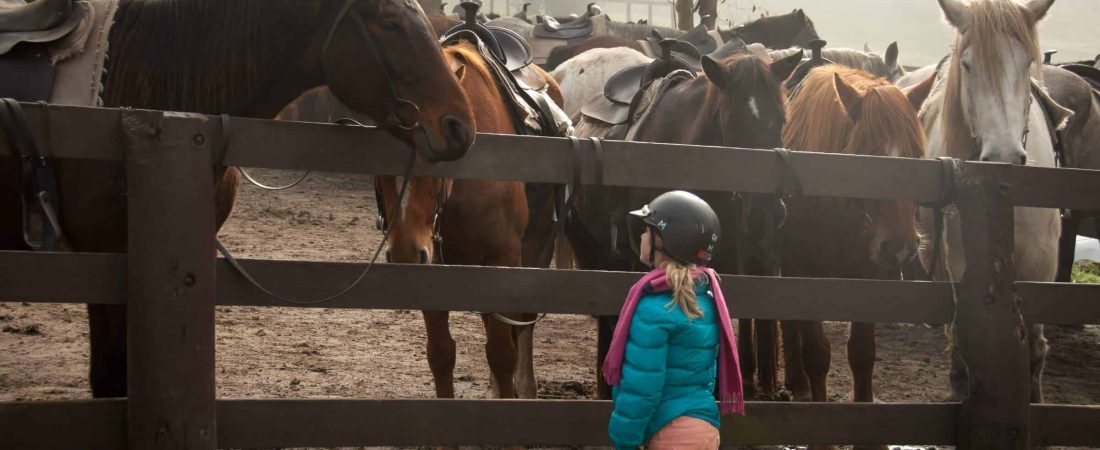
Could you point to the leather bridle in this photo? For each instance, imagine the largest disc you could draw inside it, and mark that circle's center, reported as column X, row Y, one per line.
column 404, row 114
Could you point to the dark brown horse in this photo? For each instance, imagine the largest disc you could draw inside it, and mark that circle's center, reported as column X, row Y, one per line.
column 843, row 110
column 738, row 103
column 245, row 58
column 482, row 223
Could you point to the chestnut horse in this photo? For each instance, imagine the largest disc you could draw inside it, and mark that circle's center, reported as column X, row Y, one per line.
column 245, row 58
column 844, row 110
column 477, row 222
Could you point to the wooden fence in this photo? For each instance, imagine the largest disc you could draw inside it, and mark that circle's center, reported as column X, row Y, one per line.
column 170, row 282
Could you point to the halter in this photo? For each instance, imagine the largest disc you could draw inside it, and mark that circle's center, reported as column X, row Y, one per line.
column 405, row 114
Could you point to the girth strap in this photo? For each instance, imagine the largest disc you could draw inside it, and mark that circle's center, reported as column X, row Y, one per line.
column 38, row 185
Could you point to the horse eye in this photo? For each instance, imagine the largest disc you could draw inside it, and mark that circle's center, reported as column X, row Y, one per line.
column 392, row 25
column 966, row 66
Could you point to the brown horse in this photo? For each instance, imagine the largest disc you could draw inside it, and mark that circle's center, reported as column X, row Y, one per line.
column 843, row 110
column 477, row 222
column 244, row 58
column 738, row 103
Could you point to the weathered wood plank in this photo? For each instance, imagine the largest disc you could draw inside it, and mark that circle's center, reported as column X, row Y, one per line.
column 1065, row 425
column 994, row 381
column 1060, row 303
column 63, row 425
column 391, row 286
column 1055, row 188
column 297, row 145
column 94, row 278
column 334, row 423
column 171, row 284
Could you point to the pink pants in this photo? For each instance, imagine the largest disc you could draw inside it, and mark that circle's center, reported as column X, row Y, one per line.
column 685, row 433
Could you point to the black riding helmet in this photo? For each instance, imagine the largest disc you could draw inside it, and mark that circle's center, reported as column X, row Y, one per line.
column 686, row 223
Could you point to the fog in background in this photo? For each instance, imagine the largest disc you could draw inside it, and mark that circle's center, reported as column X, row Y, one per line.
column 1072, row 26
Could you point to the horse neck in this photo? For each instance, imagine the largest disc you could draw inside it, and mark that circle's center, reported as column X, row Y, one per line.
column 242, row 57
column 677, row 117
column 491, row 113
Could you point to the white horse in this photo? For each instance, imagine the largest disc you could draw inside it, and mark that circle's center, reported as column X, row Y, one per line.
column 582, row 77
column 983, row 107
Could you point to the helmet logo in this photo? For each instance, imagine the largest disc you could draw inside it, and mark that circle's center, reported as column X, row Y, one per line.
column 662, row 224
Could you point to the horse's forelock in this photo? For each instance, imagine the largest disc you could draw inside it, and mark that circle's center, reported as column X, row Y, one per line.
column 749, row 76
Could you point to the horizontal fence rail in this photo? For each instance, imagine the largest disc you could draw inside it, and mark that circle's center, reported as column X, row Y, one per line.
column 100, row 279
column 101, row 424
column 338, row 423
column 93, row 133
column 396, row 286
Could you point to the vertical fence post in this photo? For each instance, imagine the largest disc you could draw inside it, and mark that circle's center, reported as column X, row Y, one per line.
column 171, row 282
column 989, row 328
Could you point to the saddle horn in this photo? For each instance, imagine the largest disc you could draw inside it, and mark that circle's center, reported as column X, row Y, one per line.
column 1047, row 55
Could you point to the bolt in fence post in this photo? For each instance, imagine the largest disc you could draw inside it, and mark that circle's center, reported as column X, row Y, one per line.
column 170, row 194
column 989, row 328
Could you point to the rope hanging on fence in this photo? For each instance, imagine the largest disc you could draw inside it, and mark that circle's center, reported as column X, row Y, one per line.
column 385, row 236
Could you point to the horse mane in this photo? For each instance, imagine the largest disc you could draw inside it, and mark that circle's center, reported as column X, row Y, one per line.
column 990, row 23
column 818, row 122
column 469, row 55
column 157, row 62
column 753, row 75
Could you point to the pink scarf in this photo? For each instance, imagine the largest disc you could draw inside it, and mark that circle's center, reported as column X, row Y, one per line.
column 729, row 366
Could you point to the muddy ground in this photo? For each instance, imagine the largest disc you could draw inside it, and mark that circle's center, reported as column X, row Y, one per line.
column 300, row 352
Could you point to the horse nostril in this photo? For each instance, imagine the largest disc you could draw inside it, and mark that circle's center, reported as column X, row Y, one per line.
column 1023, row 160
column 456, row 133
column 423, row 253
column 986, row 158
column 886, row 250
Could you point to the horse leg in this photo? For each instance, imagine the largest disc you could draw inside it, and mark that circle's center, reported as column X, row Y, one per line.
column 1067, row 243
column 606, row 328
column 767, row 352
column 817, row 356
column 107, row 336
column 861, row 360
column 1038, row 348
column 441, row 352
column 526, row 386
column 746, row 347
column 501, row 354
column 563, row 253
column 794, row 372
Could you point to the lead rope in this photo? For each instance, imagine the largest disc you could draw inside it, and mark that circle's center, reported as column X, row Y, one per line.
column 247, row 276
column 266, row 187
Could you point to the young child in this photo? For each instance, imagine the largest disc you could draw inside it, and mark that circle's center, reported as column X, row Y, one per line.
column 674, row 337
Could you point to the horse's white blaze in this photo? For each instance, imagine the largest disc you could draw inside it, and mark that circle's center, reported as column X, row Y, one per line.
column 403, row 207
column 753, row 108
column 996, row 111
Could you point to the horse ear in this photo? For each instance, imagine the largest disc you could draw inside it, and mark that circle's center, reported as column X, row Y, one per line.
column 1039, row 8
column 867, row 48
column 892, row 55
column 956, row 12
column 799, row 13
column 783, row 68
column 714, row 70
column 919, row 92
column 848, row 96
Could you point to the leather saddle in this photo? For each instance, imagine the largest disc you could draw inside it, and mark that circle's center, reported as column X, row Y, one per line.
column 620, row 91
column 1088, row 73
column 803, row 69
column 507, row 45
column 699, row 38
column 550, row 28
column 38, row 21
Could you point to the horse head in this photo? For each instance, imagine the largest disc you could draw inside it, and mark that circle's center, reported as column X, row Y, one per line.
column 988, row 95
column 746, row 96
column 409, row 89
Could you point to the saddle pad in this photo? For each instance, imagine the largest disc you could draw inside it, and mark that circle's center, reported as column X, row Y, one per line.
column 80, row 77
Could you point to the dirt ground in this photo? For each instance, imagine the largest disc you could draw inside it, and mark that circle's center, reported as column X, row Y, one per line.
column 299, row 352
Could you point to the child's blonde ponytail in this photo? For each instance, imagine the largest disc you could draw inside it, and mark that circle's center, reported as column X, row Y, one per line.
column 682, row 282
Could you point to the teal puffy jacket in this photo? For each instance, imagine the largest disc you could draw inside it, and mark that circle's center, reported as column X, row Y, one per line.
column 669, row 368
